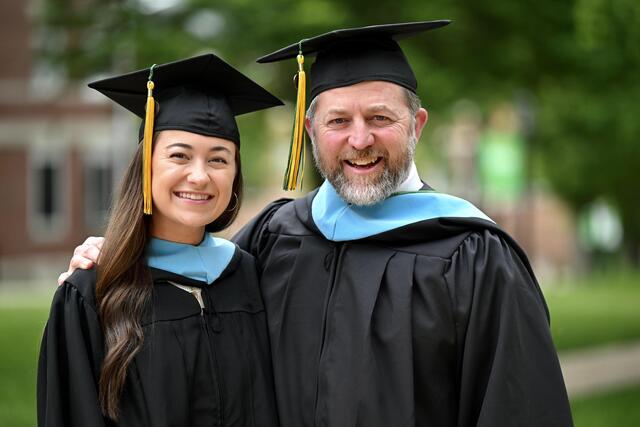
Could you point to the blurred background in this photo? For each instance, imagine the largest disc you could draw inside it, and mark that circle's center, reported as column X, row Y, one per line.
column 533, row 117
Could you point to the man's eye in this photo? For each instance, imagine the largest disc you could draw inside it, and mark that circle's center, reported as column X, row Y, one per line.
column 337, row 121
column 379, row 118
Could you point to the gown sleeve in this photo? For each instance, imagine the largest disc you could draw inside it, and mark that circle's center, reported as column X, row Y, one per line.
column 252, row 236
column 508, row 369
column 69, row 364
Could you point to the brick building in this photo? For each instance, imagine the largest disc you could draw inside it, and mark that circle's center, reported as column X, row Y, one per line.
column 58, row 147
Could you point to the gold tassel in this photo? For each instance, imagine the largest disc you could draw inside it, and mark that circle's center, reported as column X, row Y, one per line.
column 295, row 165
column 147, row 143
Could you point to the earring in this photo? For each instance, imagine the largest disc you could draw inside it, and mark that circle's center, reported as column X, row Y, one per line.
column 235, row 205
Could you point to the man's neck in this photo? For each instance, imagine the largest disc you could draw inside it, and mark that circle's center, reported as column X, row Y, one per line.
column 413, row 182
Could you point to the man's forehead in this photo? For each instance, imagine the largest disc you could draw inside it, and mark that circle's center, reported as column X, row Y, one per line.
column 375, row 95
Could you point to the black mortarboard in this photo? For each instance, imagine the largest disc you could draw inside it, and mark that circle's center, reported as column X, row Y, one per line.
column 202, row 95
column 353, row 55
column 343, row 58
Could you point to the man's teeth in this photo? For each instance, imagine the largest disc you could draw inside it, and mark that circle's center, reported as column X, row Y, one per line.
column 363, row 162
column 193, row 196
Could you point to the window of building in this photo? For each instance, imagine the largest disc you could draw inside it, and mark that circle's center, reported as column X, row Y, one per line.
column 48, row 195
column 98, row 191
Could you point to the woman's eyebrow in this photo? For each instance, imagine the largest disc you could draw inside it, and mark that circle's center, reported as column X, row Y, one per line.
column 215, row 148
column 220, row 148
column 180, row 145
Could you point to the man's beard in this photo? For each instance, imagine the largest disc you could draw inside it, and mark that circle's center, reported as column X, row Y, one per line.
column 367, row 190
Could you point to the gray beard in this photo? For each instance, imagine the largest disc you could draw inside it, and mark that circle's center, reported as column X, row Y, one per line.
column 364, row 192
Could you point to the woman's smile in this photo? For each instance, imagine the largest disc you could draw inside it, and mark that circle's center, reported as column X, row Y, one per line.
column 193, row 197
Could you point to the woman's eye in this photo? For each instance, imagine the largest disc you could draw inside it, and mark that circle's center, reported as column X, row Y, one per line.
column 220, row 160
column 180, row 156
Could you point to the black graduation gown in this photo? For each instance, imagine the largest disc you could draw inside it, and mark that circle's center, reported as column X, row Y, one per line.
column 437, row 323
column 197, row 367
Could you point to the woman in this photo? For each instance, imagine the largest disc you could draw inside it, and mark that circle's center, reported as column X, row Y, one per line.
column 169, row 329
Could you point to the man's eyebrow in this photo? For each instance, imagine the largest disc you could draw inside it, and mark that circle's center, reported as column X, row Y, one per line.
column 336, row 110
column 376, row 108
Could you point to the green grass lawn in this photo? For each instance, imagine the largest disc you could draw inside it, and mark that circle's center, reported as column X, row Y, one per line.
column 596, row 311
column 22, row 318
column 620, row 409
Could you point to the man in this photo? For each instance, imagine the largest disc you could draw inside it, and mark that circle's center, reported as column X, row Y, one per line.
column 390, row 304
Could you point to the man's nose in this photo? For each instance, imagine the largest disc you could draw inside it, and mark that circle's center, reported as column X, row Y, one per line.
column 360, row 136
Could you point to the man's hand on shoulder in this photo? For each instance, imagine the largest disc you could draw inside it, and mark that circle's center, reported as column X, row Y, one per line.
column 84, row 257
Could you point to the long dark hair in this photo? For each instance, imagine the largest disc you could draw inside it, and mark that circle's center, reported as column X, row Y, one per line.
column 124, row 284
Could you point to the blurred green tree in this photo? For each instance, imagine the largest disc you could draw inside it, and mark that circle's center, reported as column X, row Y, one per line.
column 577, row 59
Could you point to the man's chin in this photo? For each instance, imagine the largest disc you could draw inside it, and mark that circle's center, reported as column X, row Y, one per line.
column 362, row 182
column 361, row 192
column 362, row 189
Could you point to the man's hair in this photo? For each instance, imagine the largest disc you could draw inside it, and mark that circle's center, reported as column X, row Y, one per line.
column 413, row 103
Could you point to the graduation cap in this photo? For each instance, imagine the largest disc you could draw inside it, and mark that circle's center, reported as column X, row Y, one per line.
column 343, row 58
column 202, row 95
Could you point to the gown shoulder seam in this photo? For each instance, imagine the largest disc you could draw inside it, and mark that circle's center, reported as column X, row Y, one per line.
column 82, row 297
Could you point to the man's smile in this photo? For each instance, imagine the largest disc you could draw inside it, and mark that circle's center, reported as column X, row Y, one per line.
column 363, row 162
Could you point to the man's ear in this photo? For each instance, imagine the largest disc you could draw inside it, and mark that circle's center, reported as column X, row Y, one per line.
column 422, row 116
column 308, row 126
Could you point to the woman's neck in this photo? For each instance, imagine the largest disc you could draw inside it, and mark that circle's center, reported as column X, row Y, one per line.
column 187, row 235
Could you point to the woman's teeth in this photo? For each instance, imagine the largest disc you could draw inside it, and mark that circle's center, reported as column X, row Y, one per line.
column 193, row 196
